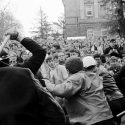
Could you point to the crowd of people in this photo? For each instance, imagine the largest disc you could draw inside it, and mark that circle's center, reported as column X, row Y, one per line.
column 65, row 82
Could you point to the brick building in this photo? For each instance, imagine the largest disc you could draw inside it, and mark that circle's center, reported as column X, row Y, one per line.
column 85, row 18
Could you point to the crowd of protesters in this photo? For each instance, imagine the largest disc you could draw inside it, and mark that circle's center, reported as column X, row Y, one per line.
column 75, row 82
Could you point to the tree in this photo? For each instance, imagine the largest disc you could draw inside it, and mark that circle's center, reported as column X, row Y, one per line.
column 43, row 27
column 116, row 16
column 7, row 21
column 61, row 24
column 55, row 35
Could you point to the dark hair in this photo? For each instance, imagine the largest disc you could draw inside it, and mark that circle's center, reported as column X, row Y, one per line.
column 103, row 59
column 75, row 50
column 57, row 46
column 112, row 40
column 49, row 59
column 74, row 65
column 97, row 56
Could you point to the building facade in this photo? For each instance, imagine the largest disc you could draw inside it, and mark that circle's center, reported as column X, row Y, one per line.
column 85, row 18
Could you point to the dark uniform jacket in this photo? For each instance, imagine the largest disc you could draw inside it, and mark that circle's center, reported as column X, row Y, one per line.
column 24, row 102
column 37, row 58
column 120, row 79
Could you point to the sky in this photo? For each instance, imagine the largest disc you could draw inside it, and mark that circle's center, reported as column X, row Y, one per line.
column 26, row 11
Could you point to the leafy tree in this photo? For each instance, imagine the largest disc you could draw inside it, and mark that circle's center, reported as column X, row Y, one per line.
column 61, row 25
column 7, row 21
column 115, row 14
column 43, row 28
column 55, row 35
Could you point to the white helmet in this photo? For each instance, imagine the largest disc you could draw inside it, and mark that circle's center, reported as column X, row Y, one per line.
column 88, row 61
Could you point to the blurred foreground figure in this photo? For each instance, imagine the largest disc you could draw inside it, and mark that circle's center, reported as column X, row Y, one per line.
column 24, row 102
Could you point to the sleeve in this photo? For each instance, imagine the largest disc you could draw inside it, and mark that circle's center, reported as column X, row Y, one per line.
column 38, row 55
column 66, row 89
column 119, row 76
column 49, row 109
column 64, row 73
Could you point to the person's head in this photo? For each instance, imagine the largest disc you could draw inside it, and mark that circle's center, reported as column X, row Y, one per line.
column 24, row 55
column 55, row 58
column 61, row 57
column 56, row 47
column 107, row 58
column 74, row 65
column 67, row 55
column 89, row 63
column 119, row 61
column 74, row 52
column 97, row 57
column 112, row 42
column 49, row 61
column 113, row 60
column 13, row 58
column 103, row 59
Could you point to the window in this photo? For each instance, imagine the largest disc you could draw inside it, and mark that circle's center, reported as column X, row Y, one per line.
column 89, row 10
column 102, row 10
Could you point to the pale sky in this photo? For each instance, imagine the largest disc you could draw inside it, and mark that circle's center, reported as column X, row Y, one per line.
column 26, row 11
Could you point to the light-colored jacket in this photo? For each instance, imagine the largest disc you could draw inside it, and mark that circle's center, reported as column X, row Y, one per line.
column 45, row 70
column 59, row 74
column 85, row 100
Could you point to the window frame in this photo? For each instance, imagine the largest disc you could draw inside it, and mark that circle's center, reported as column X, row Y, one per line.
column 89, row 9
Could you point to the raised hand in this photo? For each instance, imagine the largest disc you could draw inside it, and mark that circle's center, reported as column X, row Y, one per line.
column 14, row 35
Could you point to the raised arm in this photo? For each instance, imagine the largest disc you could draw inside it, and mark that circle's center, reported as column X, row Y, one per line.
column 38, row 53
column 66, row 89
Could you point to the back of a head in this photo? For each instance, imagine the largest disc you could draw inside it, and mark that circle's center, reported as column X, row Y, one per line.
column 74, row 65
column 17, row 97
